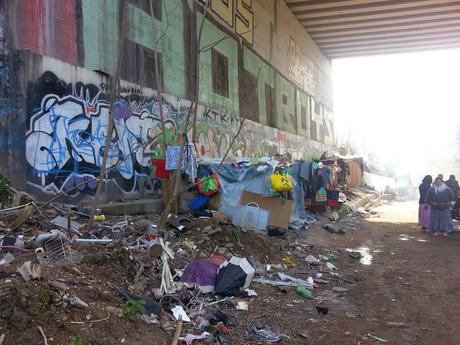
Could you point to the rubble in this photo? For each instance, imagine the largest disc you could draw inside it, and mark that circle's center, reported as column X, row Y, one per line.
column 204, row 271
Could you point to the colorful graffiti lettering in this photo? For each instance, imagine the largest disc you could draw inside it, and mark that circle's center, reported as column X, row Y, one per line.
column 67, row 137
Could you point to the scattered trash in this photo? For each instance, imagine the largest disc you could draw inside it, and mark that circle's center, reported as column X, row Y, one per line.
column 250, row 292
column 321, row 309
column 330, row 266
column 28, row 272
column 99, row 216
column 306, row 283
column 311, row 260
column 189, row 338
column 242, row 305
column 275, row 232
column 52, row 234
column 179, row 311
column 93, row 241
column 264, row 334
column 150, row 306
column 181, row 223
column 356, row 255
column 167, row 283
column 56, row 253
column 304, row 293
column 77, row 302
column 150, row 319
column 381, row 340
column 203, row 273
column 62, row 222
column 232, row 275
column 333, row 231
column 288, row 261
column 58, row 285
column 7, row 259
column 251, row 216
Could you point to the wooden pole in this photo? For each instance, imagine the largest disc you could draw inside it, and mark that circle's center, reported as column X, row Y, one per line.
column 178, row 330
column 157, row 79
column 113, row 96
column 194, row 107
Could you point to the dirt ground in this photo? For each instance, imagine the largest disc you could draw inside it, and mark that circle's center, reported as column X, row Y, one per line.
column 404, row 290
column 408, row 294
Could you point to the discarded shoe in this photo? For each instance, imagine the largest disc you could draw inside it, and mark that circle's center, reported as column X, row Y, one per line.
column 356, row 255
column 333, row 231
column 264, row 334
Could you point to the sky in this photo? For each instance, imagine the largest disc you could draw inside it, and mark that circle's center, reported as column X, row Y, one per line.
column 403, row 109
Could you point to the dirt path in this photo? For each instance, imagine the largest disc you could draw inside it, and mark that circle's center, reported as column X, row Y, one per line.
column 409, row 294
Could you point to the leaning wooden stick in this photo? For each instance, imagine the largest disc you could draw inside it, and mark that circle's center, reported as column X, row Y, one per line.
column 178, row 330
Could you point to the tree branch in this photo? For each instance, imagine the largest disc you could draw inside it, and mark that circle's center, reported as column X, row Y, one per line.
column 115, row 89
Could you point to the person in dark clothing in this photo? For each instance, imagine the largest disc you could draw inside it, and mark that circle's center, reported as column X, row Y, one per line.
column 424, row 210
column 439, row 197
column 452, row 183
column 319, row 193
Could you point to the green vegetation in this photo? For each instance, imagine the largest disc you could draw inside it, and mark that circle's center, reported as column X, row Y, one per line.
column 75, row 341
column 131, row 308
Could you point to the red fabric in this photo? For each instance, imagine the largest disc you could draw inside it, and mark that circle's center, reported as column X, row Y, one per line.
column 160, row 171
column 332, row 203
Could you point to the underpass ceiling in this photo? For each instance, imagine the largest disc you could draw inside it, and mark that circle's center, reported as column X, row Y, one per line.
column 344, row 28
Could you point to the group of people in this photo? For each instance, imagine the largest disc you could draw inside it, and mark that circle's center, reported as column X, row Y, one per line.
column 439, row 201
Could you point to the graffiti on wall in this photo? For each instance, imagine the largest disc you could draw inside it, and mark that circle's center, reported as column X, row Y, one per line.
column 66, row 138
column 237, row 14
column 301, row 67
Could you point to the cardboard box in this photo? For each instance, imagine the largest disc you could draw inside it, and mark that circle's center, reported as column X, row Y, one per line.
column 280, row 209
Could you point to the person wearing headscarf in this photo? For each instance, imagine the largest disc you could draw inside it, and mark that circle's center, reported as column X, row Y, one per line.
column 424, row 210
column 439, row 198
column 452, row 183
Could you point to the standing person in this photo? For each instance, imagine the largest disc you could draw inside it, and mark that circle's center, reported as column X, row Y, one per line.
column 439, row 198
column 424, row 210
column 452, row 183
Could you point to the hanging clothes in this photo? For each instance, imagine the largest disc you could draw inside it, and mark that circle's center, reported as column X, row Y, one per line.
column 190, row 164
column 172, row 157
column 160, row 171
column 325, row 174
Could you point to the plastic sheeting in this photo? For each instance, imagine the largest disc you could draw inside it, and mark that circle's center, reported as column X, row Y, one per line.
column 234, row 181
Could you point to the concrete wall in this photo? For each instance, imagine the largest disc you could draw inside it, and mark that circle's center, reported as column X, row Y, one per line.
column 56, row 57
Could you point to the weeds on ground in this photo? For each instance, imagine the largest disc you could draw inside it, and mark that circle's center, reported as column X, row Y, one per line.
column 131, row 308
column 236, row 233
column 75, row 341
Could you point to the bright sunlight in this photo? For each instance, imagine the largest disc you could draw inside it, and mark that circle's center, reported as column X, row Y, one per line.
column 401, row 111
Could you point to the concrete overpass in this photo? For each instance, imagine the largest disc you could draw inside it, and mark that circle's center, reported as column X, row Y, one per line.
column 345, row 28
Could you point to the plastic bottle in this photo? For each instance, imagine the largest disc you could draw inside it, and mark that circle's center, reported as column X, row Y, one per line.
column 19, row 241
column 304, row 293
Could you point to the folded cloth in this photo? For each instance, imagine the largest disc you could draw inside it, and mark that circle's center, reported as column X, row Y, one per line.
column 160, row 171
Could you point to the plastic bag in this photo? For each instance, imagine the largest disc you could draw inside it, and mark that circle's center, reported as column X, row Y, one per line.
column 208, row 185
column 281, row 183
